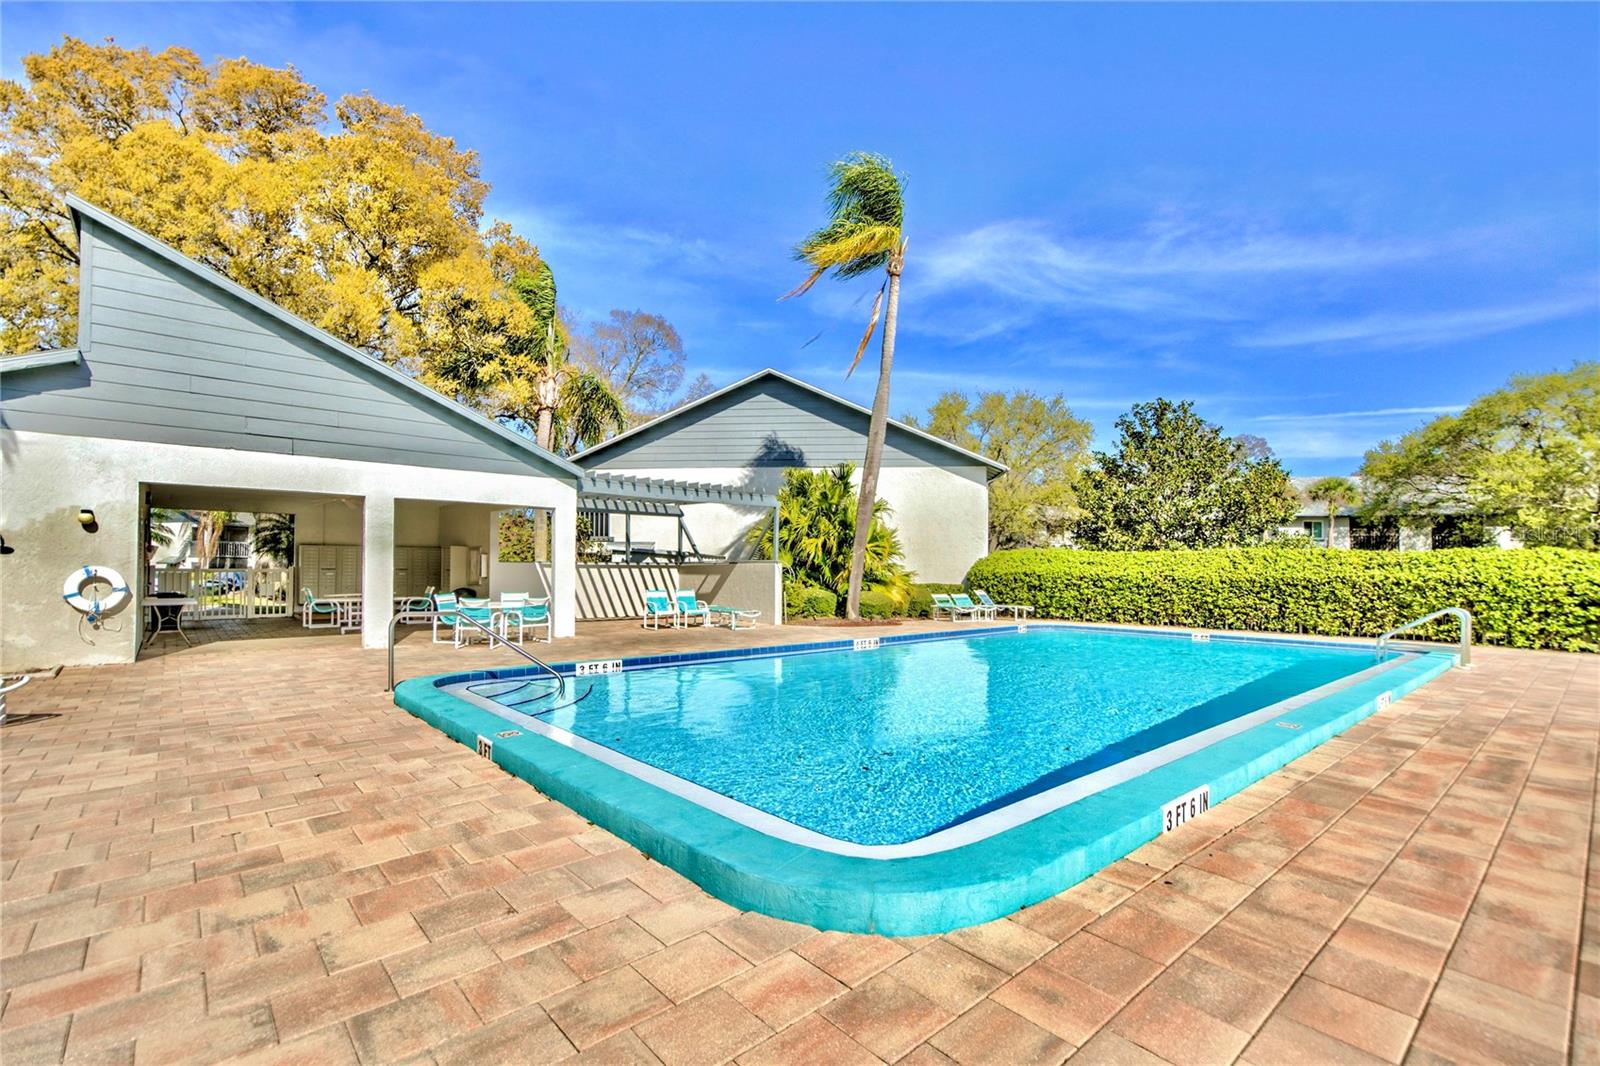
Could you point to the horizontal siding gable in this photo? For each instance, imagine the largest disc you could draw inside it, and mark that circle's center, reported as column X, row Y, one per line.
column 772, row 423
column 174, row 359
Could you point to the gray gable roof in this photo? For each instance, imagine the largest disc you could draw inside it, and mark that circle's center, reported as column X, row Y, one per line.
column 620, row 449
column 177, row 353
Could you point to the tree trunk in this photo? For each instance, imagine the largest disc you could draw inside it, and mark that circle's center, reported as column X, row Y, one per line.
column 877, row 427
column 541, row 519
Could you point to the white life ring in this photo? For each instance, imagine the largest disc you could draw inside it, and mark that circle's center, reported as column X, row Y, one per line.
column 72, row 591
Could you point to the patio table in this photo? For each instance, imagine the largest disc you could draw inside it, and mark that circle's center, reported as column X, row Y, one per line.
column 167, row 609
column 349, row 605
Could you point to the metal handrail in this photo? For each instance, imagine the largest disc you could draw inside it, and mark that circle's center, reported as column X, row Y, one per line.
column 408, row 616
column 1461, row 614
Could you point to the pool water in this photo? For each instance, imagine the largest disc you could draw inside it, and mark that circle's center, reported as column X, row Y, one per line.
column 887, row 746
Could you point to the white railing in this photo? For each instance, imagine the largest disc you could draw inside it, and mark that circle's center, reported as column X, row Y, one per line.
column 259, row 592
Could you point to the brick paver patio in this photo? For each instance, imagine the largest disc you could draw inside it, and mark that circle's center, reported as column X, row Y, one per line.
column 243, row 850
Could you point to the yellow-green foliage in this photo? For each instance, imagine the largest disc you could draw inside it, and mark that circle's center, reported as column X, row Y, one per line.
column 1527, row 598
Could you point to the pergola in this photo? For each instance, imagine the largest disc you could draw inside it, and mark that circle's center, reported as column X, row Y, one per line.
column 629, row 496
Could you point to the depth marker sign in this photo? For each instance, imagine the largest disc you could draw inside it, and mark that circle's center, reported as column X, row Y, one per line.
column 1187, row 806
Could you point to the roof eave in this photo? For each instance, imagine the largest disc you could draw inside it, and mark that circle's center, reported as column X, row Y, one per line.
column 82, row 208
column 996, row 468
column 13, row 364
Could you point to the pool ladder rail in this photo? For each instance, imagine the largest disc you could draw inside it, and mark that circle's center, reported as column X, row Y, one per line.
column 428, row 616
column 1460, row 614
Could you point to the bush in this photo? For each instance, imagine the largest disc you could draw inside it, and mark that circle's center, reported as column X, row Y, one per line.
column 875, row 603
column 920, row 604
column 1525, row 598
column 808, row 601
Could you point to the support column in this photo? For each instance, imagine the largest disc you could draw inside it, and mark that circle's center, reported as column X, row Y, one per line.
column 377, row 570
column 564, row 568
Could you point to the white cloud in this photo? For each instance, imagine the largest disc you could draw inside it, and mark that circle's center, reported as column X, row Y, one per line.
column 1173, row 267
column 1377, row 412
column 1420, row 329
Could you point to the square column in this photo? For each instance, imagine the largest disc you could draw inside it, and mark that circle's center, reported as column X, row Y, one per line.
column 377, row 570
column 564, row 568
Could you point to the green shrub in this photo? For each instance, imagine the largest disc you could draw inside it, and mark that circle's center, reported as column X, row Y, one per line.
column 1525, row 598
column 808, row 601
column 875, row 603
column 920, row 604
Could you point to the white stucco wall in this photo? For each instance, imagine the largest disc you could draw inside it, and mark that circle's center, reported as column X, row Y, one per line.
column 942, row 518
column 48, row 477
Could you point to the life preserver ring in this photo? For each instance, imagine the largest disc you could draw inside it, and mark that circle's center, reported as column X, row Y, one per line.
column 72, row 591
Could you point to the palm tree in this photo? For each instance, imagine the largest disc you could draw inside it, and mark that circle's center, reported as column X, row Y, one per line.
column 274, row 537
column 208, row 534
column 816, row 516
column 1336, row 492
column 571, row 405
column 865, row 233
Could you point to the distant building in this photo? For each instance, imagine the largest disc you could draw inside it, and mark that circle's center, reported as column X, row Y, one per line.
column 1422, row 530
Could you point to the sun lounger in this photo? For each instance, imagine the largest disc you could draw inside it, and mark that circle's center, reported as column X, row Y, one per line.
column 943, row 601
column 731, row 615
column 964, row 602
column 1019, row 611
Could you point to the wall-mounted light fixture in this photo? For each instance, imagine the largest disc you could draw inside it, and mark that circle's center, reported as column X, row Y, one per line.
column 85, row 517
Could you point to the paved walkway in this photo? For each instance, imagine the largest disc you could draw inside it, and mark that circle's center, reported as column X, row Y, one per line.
column 243, row 850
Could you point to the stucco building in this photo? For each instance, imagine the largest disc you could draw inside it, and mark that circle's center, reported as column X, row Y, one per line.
column 748, row 434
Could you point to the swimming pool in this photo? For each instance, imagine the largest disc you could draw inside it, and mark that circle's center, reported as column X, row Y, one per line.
column 921, row 780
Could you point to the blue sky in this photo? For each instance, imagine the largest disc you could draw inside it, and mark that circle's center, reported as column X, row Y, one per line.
column 1323, row 224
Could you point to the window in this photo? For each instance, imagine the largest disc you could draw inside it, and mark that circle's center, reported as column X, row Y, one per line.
column 1314, row 530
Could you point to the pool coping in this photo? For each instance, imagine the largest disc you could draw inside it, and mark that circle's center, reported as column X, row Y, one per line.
column 966, row 885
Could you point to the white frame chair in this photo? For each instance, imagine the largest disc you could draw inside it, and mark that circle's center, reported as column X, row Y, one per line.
column 690, row 606
column 311, row 607
column 654, row 612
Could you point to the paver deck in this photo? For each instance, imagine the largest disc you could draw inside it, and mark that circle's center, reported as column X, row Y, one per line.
column 244, row 850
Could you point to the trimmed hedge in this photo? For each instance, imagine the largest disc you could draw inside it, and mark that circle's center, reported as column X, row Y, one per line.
column 1525, row 598
column 876, row 603
column 809, row 601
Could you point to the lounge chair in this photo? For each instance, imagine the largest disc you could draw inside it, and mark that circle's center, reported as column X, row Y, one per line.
column 1019, row 611
column 731, row 615
column 964, row 602
column 658, row 605
column 943, row 601
column 445, row 603
column 318, row 614
column 690, row 606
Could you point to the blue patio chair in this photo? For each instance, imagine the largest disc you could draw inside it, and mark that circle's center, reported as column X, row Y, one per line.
column 317, row 614
column 690, row 606
column 658, row 605
column 476, row 610
column 518, row 609
column 445, row 604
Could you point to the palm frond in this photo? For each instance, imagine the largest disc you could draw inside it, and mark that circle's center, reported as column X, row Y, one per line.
column 589, row 410
column 872, row 324
column 866, row 220
column 801, row 289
